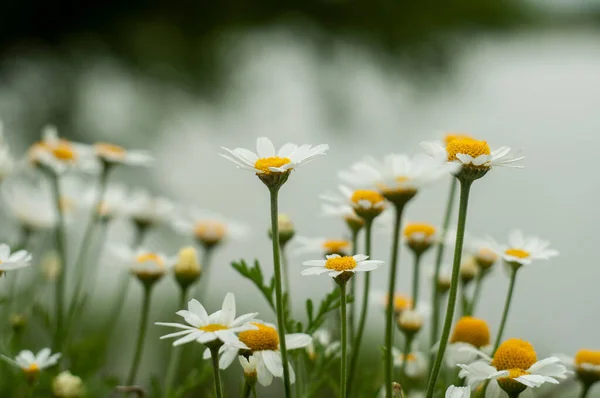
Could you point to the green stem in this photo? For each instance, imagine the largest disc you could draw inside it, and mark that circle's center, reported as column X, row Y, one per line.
column 344, row 324
column 435, row 314
column 586, row 389
column 465, row 187
column 352, row 312
column 174, row 352
column 279, row 290
column 406, row 353
column 416, row 279
column 60, row 235
column 214, row 355
column 285, row 274
column 476, row 295
column 247, row 390
column 254, row 394
column 201, row 289
column 139, row 348
column 511, row 288
column 389, row 311
column 363, row 312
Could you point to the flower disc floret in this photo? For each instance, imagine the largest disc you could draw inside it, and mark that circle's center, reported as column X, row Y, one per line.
column 519, row 253
column 456, row 136
column 263, row 339
column 265, row 164
column 103, row 149
column 373, row 197
column 467, row 146
column 471, row 330
column 336, row 246
column 423, row 229
column 587, row 356
column 345, row 263
column 514, row 354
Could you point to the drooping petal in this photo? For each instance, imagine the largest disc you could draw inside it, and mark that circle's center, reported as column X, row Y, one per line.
column 273, row 362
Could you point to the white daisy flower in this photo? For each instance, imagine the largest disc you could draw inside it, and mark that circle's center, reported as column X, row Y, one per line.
column 336, row 265
column 29, row 204
column 483, row 252
column 523, row 249
column 58, row 154
column 469, row 334
column 250, row 365
column 221, row 325
column 401, row 302
column 419, row 236
column 416, row 363
column 114, row 154
column 148, row 210
column 267, row 161
column 141, row 262
column 114, row 202
column 10, row 261
column 586, row 364
column 458, row 392
column 32, row 364
column 365, row 202
column 76, row 194
column 263, row 343
column 6, row 161
column 207, row 227
column 323, row 339
column 322, row 246
column 513, row 368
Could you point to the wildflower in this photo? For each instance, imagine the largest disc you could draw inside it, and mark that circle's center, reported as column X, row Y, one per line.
column 522, row 250
column 18, row 322
column 458, row 392
column 468, row 270
column 187, row 268
column 148, row 266
column 322, row 338
column 337, row 265
column 419, row 236
column 323, row 246
column 57, row 154
column 346, row 212
column 416, row 363
column 410, row 322
column 32, row 364
column 469, row 332
column 217, row 328
column 586, row 364
column 286, row 229
column 250, row 365
column 263, row 343
column 366, row 203
column 29, row 204
column 6, row 160
column 208, row 228
column 16, row 260
column 272, row 167
column 513, row 368
column 114, row 202
column 65, row 385
column 111, row 154
column 401, row 302
column 146, row 210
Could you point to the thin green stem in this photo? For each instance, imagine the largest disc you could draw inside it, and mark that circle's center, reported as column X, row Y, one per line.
column 363, row 312
column 254, row 394
column 214, row 355
column 389, row 312
column 476, row 294
column 247, row 390
column 511, row 288
column 175, row 352
column 439, row 256
column 139, row 348
column 407, row 348
column 344, row 337
column 279, row 290
column 284, row 270
column 416, row 279
column 465, row 187
column 586, row 390
column 352, row 312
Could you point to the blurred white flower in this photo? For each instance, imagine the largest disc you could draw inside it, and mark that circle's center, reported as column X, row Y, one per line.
column 458, row 392
column 469, row 334
column 148, row 210
column 322, row 246
column 6, row 160
column 11, row 261
column 114, row 203
column 29, row 204
column 141, row 262
column 523, row 249
column 32, row 364
column 336, row 265
column 58, row 154
column 416, row 362
column 115, row 154
column 207, row 227
column 362, row 201
column 65, row 385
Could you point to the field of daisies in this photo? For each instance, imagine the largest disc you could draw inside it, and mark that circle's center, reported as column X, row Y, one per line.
column 434, row 346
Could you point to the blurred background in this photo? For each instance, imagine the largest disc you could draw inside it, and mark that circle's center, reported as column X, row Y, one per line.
column 184, row 78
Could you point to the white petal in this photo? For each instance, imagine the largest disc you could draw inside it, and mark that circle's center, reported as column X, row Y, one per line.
column 314, row 271
column 458, row 392
column 197, row 309
column 265, row 147
column 227, row 310
column 297, row 340
column 273, row 362
column 227, row 357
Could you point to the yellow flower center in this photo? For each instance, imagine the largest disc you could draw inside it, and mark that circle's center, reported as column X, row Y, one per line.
column 153, row 257
column 263, row 164
column 587, row 356
column 471, row 330
column 401, row 302
column 514, row 354
column 370, row 196
column 263, row 339
column 345, row 263
column 33, row 368
column 213, row 327
column 410, row 357
column 63, row 150
column 427, row 230
column 210, row 231
column 336, row 246
column 466, row 146
column 110, row 150
column 456, row 136
column 518, row 253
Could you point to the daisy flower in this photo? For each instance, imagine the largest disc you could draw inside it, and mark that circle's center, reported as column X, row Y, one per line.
column 401, row 302
column 203, row 328
column 513, row 368
column 416, row 363
column 58, row 154
column 366, row 203
column 66, row 385
column 419, row 236
column 483, row 253
column 263, row 344
column 32, row 364
column 10, row 261
column 113, row 154
column 458, row 392
column 469, row 334
column 335, row 265
column 147, row 210
column 145, row 264
column 6, row 160
column 323, row 246
column 586, row 364
column 321, row 339
column 29, row 204
column 410, row 321
column 522, row 250
column 114, row 202
column 208, row 228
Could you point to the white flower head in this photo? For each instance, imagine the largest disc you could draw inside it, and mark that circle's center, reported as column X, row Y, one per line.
column 208, row 228
column 58, row 154
column 336, row 265
column 114, row 203
column 523, row 250
column 66, row 385
column 416, row 362
column 203, row 328
column 115, row 154
column 29, row 204
column 366, row 203
column 146, row 209
column 458, row 392
column 11, row 261
column 32, row 364
column 586, row 364
column 322, row 246
column 469, row 335
column 142, row 262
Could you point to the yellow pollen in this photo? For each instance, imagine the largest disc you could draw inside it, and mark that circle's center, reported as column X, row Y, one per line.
column 33, row 368
column 263, row 339
column 471, row 330
column 104, row 149
column 142, row 258
column 514, row 354
column 63, row 150
column 336, row 246
column 263, row 164
column 587, row 356
column 456, row 136
column 518, row 253
column 427, row 230
column 345, row 263
column 372, row 197
column 213, row 327
column 467, row 146
column 401, row 302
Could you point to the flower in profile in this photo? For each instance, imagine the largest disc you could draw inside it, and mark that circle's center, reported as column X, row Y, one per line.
column 29, row 204
column 586, row 364
column 58, row 154
column 32, row 364
column 410, row 322
column 220, row 327
column 416, row 363
column 401, row 302
column 112, row 154
column 187, row 269
column 513, row 368
column 273, row 167
column 472, row 333
column 323, row 246
column 458, row 392
column 483, row 253
column 6, row 160
column 336, row 265
column 419, row 236
column 366, row 203
column 66, row 385
column 146, row 210
column 523, row 250
column 11, row 261
column 148, row 266
column 208, row 228
column 468, row 270
column 263, row 343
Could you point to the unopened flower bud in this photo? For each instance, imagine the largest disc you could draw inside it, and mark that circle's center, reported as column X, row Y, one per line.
column 286, row 229
column 187, row 268
column 419, row 236
column 468, row 270
column 410, row 322
column 485, row 258
column 18, row 322
column 65, row 385
column 443, row 283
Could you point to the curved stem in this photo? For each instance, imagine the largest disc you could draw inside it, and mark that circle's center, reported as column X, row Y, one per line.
column 344, row 323
column 416, row 279
column 439, row 256
column 279, row 290
column 511, row 288
column 214, row 355
column 174, row 352
column 465, row 187
column 363, row 312
column 476, row 295
column 389, row 312
column 352, row 311
column 139, row 348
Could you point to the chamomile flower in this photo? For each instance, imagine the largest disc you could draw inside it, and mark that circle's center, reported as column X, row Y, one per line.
column 410, row 321
column 366, row 203
column 335, row 265
column 322, row 343
column 221, row 326
column 114, row 154
column 513, row 368
column 523, row 250
column 114, row 202
column 11, row 261
column 401, row 302
column 29, row 204
column 419, row 236
column 250, row 365
column 416, row 363
column 263, row 343
column 32, row 364
column 208, row 228
column 58, row 154
column 147, row 210
column 147, row 265
column 66, row 385
column 469, row 334
column 458, row 392
column 483, row 253
column 6, row 160
column 323, row 246
column 586, row 364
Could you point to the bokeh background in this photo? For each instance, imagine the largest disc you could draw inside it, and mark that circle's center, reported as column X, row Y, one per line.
column 184, row 78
